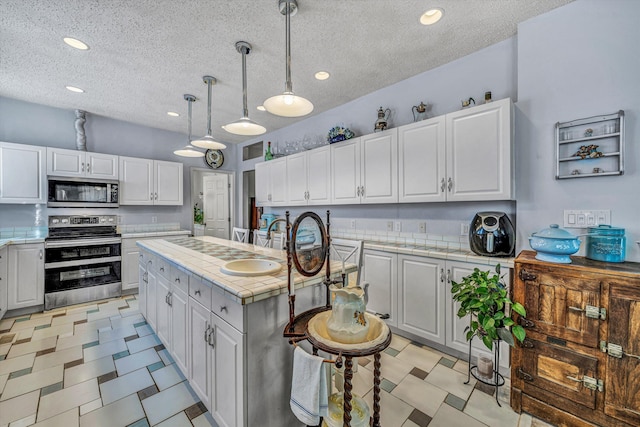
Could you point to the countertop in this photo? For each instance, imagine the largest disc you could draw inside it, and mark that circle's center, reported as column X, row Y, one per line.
column 439, row 253
column 142, row 234
column 22, row 235
column 203, row 256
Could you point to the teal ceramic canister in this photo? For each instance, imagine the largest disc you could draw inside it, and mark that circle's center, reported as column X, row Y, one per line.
column 606, row 243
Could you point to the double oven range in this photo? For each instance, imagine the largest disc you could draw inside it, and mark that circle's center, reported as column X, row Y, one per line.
column 82, row 259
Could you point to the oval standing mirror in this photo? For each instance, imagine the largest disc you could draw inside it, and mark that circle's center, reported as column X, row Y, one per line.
column 308, row 244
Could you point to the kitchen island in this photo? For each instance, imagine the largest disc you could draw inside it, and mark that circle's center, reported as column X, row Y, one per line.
column 225, row 332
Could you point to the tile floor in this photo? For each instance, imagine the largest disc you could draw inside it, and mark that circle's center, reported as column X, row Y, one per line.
column 102, row 365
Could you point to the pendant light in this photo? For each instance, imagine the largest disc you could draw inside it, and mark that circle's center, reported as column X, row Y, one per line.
column 207, row 141
column 288, row 104
column 189, row 150
column 244, row 126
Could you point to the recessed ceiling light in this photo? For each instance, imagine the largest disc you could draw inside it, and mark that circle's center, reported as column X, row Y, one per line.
column 74, row 89
column 261, row 108
column 431, row 16
column 172, row 114
column 322, row 75
column 78, row 44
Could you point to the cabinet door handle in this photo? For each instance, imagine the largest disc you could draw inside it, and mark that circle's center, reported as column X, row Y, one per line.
column 162, row 269
column 209, row 340
column 151, row 196
column 448, row 275
column 156, row 196
column 362, row 191
column 442, row 275
column 443, row 185
column 166, row 299
column 524, row 375
column 450, row 184
column 223, row 308
column 177, row 280
column 206, row 331
column 82, row 167
column 41, row 253
column 197, row 292
column 140, row 256
column 89, row 167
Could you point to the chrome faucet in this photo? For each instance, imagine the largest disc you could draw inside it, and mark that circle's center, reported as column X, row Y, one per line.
column 271, row 226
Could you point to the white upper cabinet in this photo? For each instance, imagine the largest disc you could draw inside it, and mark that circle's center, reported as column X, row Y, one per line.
column 75, row 163
column 479, row 152
column 379, row 167
column 23, row 173
column 308, row 177
column 150, row 182
column 271, row 183
column 365, row 169
column 421, row 161
column 168, row 183
column 345, row 172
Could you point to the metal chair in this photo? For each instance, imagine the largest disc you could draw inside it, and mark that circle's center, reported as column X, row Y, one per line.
column 240, row 235
column 345, row 250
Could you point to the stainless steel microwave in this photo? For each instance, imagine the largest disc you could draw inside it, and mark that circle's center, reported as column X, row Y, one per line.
column 82, row 193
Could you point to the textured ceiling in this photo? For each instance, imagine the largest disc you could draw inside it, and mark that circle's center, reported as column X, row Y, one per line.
column 145, row 54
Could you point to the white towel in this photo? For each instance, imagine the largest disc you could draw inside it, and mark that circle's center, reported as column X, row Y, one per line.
column 309, row 398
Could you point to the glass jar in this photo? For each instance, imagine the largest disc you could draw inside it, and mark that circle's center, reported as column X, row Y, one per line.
column 606, row 243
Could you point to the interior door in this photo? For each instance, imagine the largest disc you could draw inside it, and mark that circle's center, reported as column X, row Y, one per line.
column 216, row 205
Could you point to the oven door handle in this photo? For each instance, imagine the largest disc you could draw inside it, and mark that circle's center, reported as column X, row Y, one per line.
column 81, row 242
column 89, row 261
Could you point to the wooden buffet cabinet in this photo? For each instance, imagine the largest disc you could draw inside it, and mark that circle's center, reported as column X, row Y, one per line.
column 580, row 362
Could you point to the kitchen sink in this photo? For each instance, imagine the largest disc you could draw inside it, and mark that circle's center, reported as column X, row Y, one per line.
column 251, row 267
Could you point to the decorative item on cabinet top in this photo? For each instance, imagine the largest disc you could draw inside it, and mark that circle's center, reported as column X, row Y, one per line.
column 382, row 121
column 467, row 103
column 577, row 155
column 339, row 133
column 419, row 111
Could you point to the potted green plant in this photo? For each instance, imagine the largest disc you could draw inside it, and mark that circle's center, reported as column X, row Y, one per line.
column 483, row 296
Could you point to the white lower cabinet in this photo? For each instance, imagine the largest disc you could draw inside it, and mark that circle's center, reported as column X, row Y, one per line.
column 379, row 270
column 207, row 347
column 421, row 299
column 199, row 366
column 3, row 282
column 215, row 368
column 416, row 292
column 227, row 379
column 142, row 289
column 26, row 275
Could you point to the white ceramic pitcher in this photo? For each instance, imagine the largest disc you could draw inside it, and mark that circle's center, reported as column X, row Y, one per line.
column 348, row 321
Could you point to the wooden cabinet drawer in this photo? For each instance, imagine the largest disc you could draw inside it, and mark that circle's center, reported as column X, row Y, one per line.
column 229, row 311
column 200, row 292
column 556, row 300
column 548, row 368
column 179, row 279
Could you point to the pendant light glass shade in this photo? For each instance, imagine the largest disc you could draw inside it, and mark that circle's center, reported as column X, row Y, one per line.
column 244, row 126
column 207, row 141
column 188, row 150
column 288, row 104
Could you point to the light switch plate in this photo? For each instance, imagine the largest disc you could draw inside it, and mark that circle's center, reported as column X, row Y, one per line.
column 422, row 227
column 586, row 218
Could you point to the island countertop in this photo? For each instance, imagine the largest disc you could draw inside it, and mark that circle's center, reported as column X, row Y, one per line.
column 204, row 256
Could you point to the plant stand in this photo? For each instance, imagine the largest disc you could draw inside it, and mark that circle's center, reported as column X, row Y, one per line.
column 497, row 379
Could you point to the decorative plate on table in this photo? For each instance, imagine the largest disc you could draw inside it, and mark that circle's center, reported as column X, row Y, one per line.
column 214, row 158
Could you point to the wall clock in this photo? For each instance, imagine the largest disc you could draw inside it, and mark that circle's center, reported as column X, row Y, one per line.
column 214, row 158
